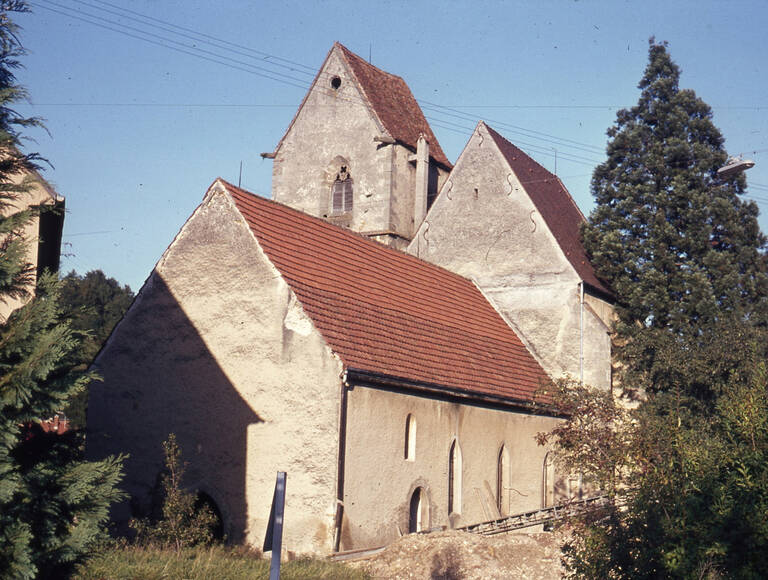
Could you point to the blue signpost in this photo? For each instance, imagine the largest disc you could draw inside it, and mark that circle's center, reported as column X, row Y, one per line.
column 274, row 538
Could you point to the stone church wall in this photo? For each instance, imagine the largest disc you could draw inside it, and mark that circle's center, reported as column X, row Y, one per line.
column 380, row 481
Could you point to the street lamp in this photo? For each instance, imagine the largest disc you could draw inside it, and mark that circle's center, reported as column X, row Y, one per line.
column 735, row 165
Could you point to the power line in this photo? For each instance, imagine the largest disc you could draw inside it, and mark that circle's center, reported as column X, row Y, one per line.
column 517, row 129
column 167, row 105
column 161, row 41
column 275, row 60
column 311, row 70
column 221, row 44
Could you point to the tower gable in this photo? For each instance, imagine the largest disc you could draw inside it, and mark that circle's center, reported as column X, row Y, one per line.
column 354, row 140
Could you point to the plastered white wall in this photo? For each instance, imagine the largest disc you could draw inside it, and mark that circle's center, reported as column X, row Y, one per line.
column 217, row 350
column 380, row 480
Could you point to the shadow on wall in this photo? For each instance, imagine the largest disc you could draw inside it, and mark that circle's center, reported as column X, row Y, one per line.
column 160, row 378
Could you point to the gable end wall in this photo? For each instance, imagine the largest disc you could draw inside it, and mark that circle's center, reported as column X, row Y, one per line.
column 217, row 350
column 484, row 226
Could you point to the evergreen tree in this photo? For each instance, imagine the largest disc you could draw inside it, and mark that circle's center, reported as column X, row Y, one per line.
column 53, row 504
column 675, row 242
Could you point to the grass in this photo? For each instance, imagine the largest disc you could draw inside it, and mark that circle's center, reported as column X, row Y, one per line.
column 204, row 563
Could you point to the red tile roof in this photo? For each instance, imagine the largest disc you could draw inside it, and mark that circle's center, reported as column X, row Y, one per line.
column 394, row 104
column 556, row 206
column 389, row 313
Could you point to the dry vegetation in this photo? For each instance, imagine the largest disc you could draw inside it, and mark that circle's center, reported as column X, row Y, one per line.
column 125, row 562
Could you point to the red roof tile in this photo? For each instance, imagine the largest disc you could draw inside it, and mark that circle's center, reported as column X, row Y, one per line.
column 386, row 312
column 556, row 206
column 394, row 105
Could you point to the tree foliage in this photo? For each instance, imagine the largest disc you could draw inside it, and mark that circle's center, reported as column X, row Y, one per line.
column 687, row 487
column 685, row 467
column 675, row 242
column 93, row 304
column 53, row 505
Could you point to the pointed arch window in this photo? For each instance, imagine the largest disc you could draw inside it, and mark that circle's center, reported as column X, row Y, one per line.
column 454, row 478
column 548, row 481
column 341, row 192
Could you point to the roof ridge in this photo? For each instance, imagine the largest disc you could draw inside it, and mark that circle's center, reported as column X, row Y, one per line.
column 348, row 53
column 331, row 227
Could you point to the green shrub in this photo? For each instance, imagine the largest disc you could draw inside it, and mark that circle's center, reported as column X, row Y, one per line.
column 183, row 523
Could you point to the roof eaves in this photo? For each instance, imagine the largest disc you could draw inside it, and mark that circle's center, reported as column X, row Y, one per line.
column 363, row 377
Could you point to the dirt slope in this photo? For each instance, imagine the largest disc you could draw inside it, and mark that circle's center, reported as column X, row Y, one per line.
column 452, row 555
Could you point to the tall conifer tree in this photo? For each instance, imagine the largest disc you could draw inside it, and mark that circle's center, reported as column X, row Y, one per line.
column 679, row 247
column 52, row 503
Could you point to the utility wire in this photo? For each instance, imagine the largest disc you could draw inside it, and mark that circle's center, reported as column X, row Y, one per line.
column 161, row 41
column 515, row 128
column 311, row 70
column 239, row 49
column 293, row 67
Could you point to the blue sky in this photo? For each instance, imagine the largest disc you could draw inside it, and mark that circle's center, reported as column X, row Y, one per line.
column 139, row 128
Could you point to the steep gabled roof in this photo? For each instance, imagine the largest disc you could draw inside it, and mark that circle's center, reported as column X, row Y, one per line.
column 390, row 99
column 394, row 104
column 556, row 206
column 385, row 312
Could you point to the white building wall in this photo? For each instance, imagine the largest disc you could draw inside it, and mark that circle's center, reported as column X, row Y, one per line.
column 217, row 350
column 380, row 481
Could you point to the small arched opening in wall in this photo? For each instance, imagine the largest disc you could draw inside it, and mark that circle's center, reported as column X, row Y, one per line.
column 203, row 500
column 342, row 192
column 409, row 451
column 502, row 481
column 417, row 511
column 454, row 479
column 338, row 180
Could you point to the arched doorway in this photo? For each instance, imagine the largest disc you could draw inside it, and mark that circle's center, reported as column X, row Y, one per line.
column 416, row 512
column 205, row 500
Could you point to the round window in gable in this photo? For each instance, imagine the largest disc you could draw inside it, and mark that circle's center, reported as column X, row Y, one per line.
column 336, row 83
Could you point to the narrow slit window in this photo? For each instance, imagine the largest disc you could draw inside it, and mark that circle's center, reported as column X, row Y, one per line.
column 502, row 481
column 410, row 438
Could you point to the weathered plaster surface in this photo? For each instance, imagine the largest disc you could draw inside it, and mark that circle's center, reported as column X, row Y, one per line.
column 380, row 481
column 217, row 350
column 336, row 127
column 484, row 226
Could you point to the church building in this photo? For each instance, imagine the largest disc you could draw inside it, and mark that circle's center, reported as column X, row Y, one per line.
column 385, row 330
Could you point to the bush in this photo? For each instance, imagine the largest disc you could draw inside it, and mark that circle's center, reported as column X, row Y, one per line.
column 183, row 523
